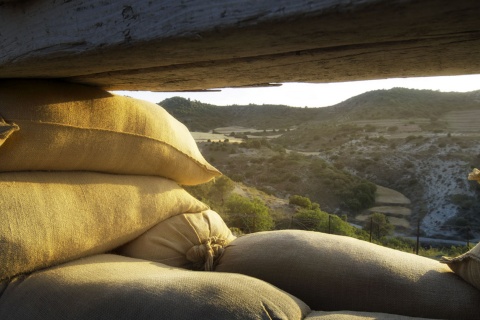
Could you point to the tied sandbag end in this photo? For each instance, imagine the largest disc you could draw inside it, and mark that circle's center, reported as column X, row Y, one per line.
column 205, row 256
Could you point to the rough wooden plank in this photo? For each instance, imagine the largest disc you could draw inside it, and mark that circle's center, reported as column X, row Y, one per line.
column 194, row 45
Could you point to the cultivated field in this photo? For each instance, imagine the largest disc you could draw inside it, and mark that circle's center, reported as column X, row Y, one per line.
column 391, row 203
column 463, row 121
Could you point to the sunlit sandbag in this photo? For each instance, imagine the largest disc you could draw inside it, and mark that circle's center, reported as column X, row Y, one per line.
column 467, row 265
column 190, row 240
column 331, row 272
column 114, row 287
column 67, row 126
column 48, row 218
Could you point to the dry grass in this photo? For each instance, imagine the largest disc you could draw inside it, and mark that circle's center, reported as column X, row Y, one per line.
column 390, row 196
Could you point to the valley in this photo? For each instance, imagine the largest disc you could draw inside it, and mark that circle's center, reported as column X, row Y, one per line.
column 421, row 144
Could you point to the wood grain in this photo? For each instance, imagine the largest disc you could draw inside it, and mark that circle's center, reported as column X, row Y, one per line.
column 195, row 45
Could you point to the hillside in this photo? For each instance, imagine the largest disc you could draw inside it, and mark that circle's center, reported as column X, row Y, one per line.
column 401, row 103
column 198, row 116
column 397, row 103
column 421, row 143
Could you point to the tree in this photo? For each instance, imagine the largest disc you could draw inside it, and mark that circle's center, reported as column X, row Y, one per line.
column 378, row 225
column 312, row 220
column 303, row 202
column 248, row 215
column 223, row 185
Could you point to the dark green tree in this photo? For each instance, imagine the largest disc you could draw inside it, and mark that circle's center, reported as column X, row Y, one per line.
column 378, row 225
column 248, row 215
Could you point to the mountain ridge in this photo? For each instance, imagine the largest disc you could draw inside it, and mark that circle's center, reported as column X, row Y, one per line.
column 399, row 103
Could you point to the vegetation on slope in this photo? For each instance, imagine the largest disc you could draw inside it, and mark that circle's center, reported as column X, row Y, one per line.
column 249, row 213
column 396, row 103
column 291, row 173
column 399, row 138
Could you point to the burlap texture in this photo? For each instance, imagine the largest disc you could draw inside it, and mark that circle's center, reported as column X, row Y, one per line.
column 52, row 217
column 114, row 287
column 467, row 266
column 332, row 272
column 66, row 126
column 6, row 129
column 355, row 315
column 190, row 240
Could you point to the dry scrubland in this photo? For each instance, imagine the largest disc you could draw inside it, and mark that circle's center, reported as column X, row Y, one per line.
column 420, row 143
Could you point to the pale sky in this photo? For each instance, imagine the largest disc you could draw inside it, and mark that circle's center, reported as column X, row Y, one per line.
column 313, row 95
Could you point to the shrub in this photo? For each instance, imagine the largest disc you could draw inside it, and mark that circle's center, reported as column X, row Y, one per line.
column 248, row 215
column 303, row 202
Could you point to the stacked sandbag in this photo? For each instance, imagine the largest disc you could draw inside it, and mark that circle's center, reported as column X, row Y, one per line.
column 64, row 126
column 192, row 240
column 121, row 288
column 466, row 265
column 83, row 171
column 53, row 217
column 331, row 272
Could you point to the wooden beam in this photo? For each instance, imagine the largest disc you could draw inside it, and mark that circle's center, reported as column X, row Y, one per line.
column 196, row 45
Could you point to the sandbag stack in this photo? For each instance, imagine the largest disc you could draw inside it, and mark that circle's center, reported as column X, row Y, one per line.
column 95, row 225
column 83, row 172
column 333, row 273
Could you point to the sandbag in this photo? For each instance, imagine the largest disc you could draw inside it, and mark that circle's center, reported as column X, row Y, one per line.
column 331, row 272
column 191, row 240
column 67, row 126
column 466, row 265
column 51, row 217
column 114, row 287
column 355, row 315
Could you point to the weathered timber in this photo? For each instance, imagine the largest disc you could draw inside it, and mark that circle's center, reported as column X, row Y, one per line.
column 196, row 45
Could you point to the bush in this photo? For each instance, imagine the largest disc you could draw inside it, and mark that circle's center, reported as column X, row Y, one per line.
column 378, row 225
column 248, row 215
column 303, row 202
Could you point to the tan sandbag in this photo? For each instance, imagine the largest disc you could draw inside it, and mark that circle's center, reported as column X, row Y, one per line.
column 355, row 315
column 191, row 240
column 51, row 217
column 331, row 272
column 467, row 266
column 66, row 126
column 114, row 287
column 6, row 129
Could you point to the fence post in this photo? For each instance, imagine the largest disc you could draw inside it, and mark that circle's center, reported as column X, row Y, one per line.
column 418, row 237
column 371, row 228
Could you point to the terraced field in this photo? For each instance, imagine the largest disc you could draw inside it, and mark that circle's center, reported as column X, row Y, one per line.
column 392, row 204
column 463, row 121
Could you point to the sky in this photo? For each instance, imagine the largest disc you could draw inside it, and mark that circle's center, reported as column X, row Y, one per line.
column 313, row 95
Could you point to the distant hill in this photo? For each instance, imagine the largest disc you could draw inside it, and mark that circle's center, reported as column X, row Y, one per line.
column 198, row 116
column 396, row 103
column 401, row 103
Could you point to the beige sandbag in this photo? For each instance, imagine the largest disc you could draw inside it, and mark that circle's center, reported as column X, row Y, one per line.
column 467, row 265
column 6, row 129
column 114, row 287
column 51, row 217
column 355, row 315
column 190, row 240
column 331, row 272
column 66, row 126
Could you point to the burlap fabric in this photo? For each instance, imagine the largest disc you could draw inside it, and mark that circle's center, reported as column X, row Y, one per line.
column 52, row 217
column 114, row 287
column 191, row 240
column 332, row 272
column 66, row 126
column 467, row 266
column 355, row 315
